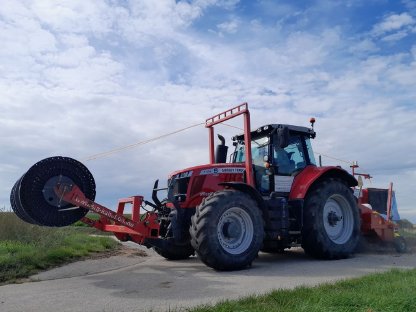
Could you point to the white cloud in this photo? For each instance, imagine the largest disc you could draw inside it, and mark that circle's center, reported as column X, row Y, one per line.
column 396, row 36
column 394, row 27
column 74, row 16
column 393, row 22
column 363, row 47
column 403, row 75
column 229, row 27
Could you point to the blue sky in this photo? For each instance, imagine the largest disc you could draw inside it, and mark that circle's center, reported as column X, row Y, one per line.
column 83, row 77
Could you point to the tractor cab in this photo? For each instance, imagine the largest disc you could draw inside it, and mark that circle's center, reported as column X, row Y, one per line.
column 278, row 152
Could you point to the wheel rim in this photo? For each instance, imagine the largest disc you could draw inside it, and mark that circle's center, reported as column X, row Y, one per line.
column 235, row 230
column 338, row 219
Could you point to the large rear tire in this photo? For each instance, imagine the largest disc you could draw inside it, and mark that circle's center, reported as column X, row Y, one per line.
column 227, row 230
column 331, row 223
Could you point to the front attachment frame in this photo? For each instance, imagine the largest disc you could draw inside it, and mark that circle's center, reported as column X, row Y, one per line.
column 139, row 228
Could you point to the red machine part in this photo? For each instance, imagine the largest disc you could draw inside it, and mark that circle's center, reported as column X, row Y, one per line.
column 309, row 175
column 205, row 179
column 241, row 109
column 137, row 229
column 373, row 222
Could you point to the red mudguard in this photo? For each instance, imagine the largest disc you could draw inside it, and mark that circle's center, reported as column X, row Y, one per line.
column 311, row 174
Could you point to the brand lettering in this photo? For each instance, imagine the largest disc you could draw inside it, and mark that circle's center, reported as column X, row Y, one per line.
column 222, row 170
column 104, row 211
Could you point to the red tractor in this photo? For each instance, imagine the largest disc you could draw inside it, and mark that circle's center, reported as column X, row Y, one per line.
column 268, row 197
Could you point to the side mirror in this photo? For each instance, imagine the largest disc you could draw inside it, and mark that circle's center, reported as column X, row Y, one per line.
column 282, row 137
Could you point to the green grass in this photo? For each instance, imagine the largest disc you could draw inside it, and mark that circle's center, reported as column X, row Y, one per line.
column 408, row 233
column 26, row 249
column 391, row 291
column 91, row 215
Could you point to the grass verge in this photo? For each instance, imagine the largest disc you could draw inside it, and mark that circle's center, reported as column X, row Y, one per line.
column 90, row 215
column 26, row 249
column 406, row 233
column 391, row 291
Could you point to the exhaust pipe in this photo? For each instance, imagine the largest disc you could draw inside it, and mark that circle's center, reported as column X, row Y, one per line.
column 221, row 151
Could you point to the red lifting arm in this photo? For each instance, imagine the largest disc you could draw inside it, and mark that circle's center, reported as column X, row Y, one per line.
column 146, row 227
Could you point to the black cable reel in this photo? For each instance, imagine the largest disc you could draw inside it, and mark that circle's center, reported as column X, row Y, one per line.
column 33, row 196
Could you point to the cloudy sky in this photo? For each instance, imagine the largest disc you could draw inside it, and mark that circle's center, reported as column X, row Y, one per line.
column 83, row 77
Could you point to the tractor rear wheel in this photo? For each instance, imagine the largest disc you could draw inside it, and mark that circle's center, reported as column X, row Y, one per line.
column 331, row 223
column 227, row 230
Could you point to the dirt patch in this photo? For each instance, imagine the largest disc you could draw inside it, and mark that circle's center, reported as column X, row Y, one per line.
column 121, row 250
column 376, row 246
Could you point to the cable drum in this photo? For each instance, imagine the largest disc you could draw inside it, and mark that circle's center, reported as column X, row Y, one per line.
column 33, row 197
column 16, row 206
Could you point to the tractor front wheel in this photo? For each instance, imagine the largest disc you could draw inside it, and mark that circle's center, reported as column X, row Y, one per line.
column 227, row 230
column 331, row 223
column 172, row 249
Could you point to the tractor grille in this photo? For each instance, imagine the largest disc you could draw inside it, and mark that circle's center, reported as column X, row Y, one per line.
column 178, row 186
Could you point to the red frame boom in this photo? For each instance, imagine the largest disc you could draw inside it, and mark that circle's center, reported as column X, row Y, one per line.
column 138, row 228
column 241, row 109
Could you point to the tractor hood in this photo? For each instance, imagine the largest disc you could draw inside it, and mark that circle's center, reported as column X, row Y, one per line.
column 188, row 187
column 209, row 169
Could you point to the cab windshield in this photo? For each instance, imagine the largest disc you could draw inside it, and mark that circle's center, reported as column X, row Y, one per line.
column 259, row 149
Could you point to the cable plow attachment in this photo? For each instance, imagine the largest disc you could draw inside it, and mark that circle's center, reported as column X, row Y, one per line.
column 137, row 229
column 72, row 194
column 59, row 191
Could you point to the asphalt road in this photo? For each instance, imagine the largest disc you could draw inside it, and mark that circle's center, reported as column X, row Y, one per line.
column 132, row 283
